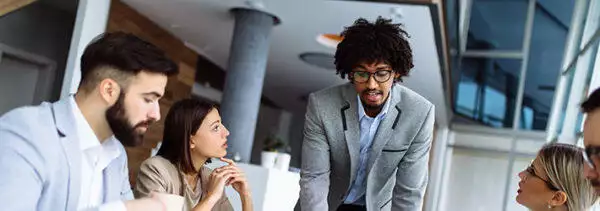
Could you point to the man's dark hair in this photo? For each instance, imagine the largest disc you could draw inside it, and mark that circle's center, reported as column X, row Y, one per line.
column 592, row 103
column 182, row 122
column 120, row 55
column 382, row 41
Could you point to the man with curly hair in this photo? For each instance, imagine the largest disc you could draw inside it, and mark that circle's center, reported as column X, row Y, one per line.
column 366, row 143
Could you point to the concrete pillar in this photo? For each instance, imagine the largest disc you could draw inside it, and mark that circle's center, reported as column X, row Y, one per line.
column 245, row 75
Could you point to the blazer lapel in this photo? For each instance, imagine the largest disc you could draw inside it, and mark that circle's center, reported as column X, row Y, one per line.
column 349, row 112
column 64, row 119
column 386, row 128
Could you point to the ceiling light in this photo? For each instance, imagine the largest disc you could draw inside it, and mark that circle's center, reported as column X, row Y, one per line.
column 329, row 40
column 322, row 60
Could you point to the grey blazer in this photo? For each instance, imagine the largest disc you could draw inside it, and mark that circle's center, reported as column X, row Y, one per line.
column 398, row 163
column 40, row 158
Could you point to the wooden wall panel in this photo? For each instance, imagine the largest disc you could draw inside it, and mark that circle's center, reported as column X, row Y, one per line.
column 7, row 6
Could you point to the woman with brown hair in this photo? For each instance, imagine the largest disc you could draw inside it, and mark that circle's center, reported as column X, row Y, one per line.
column 193, row 134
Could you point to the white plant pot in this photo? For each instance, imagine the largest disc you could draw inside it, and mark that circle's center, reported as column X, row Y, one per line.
column 267, row 159
column 283, row 161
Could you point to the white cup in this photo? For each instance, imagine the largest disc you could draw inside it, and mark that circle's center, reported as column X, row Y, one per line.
column 267, row 159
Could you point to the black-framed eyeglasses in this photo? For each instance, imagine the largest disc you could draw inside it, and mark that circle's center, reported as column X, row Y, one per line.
column 363, row 76
column 531, row 172
column 587, row 154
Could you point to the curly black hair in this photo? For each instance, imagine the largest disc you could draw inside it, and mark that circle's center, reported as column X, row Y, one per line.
column 592, row 103
column 382, row 41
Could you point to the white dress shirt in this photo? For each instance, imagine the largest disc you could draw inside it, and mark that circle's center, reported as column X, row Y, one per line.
column 95, row 158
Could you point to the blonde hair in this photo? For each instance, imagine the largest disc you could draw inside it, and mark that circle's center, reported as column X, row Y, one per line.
column 563, row 163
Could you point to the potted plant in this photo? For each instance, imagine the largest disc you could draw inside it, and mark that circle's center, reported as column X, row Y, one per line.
column 273, row 147
column 274, row 143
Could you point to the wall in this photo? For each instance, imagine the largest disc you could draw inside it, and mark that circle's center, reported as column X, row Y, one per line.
column 124, row 18
column 296, row 136
column 267, row 124
column 41, row 30
column 478, row 181
column 16, row 75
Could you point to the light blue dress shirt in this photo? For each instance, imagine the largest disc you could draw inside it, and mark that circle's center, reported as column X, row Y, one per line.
column 368, row 128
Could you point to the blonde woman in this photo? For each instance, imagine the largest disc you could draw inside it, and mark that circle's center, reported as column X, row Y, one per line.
column 554, row 181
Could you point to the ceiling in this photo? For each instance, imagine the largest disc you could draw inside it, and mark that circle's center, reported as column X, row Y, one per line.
column 207, row 27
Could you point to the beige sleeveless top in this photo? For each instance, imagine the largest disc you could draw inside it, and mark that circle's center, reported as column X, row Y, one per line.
column 160, row 175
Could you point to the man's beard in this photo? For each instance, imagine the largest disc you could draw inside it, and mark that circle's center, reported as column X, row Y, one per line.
column 372, row 107
column 124, row 131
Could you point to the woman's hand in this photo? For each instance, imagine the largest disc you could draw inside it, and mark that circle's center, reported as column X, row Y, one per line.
column 216, row 187
column 238, row 179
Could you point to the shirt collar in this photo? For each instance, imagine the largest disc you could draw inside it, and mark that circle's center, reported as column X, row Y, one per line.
column 386, row 106
column 85, row 134
column 88, row 140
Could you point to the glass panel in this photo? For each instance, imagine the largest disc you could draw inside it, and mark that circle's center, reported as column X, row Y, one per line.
column 550, row 29
column 494, row 111
column 527, row 118
column 497, row 24
column 466, row 98
column 487, row 89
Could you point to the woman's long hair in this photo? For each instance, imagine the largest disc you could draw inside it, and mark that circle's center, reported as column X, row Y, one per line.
column 182, row 122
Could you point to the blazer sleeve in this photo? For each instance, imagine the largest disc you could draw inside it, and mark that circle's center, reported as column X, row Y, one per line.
column 314, row 181
column 412, row 174
column 21, row 180
column 149, row 179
